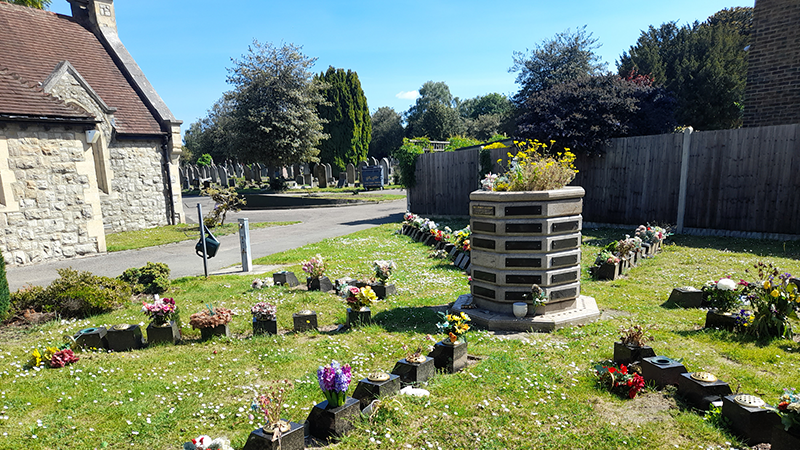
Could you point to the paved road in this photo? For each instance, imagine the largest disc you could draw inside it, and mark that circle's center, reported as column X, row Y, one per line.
column 317, row 224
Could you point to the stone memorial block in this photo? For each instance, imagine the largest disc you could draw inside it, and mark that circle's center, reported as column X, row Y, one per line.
column 372, row 161
column 308, row 180
column 329, row 424
column 290, row 172
column 385, row 163
column 328, row 172
column 321, row 175
column 248, row 173
column 687, row 297
column 342, row 180
column 749, row 419
column 360, row 167
column 299, row 180
column 701, row 388
column 351, row 174
column 257, row 172
column 223, row 175
column 369, row 390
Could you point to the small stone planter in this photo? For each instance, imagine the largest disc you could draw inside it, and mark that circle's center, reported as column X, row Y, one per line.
column 687, row 297
column 381, row 290
column 449, row 357
column 701, row 393
column 720, row 320
column 304, row 321
column 785, row 440
column 92, row 338
column 358, row 318
column 319, row 284
column 285, row 278
column 219, row 330
column 607, row 271
column 368, row 390
column 124, row 337
column 661, row 370
column 329, row 424
column 751, row 422
column 265, row 327
column 293, row 439
column 168, row 332
column 628, row 354
column 414, row 373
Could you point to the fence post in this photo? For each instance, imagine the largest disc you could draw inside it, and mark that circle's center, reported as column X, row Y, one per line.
column 687, row 141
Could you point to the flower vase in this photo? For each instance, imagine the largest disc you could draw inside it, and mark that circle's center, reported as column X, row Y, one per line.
column 218, row 330
column 720, row 320
column 627, row 354
column 329, row 424
column 358, row 317
column 164, row 332
column 448, row 356
column 607, row 271
column 262, row 439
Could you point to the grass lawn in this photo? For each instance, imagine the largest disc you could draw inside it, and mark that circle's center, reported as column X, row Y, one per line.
column 130, row 240
column 523, row 390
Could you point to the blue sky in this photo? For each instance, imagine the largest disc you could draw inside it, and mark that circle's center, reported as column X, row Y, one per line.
column 184, row 47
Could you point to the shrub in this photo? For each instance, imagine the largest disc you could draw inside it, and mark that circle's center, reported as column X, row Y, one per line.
column 153, row 278
column 407, row 156
column 5, row 295
column 277, row 184
column 227, row 199
column 74, row 294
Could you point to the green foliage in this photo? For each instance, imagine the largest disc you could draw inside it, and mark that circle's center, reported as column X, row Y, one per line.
column 566, row 57
column 584, row 115
column 205, row 160
column 407, row 156
column 387, row 132
column 153, row 278
column 457, row 142
column 433, row 115
column 73, row 294
column 39, row 4
column 211, row 135
column 348, row 123
column 703, row 64
column 5, row 295
column 226, row 199
column 274, row 102
column 277, row 184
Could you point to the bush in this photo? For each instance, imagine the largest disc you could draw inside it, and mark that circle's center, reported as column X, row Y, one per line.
column 74, row 294
column 227, row 199
column 5, row 296
column 277, row 184
column 153, row 278
column 407, row 156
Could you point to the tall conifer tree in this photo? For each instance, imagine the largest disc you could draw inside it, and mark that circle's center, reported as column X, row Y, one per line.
column 348, row 120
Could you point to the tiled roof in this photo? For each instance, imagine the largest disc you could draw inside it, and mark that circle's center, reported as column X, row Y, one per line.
column 18, row 98
column 33, row 42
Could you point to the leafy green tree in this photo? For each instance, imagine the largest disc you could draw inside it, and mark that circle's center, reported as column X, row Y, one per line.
column 566, row 57
column 703, row 64
column 39, row 4
column 348, row 122
column 211, row 135
column 434, row 114
column 274, row 102
column 585, row 114
column 5, row 295
column 490, row 104
column 387, row 132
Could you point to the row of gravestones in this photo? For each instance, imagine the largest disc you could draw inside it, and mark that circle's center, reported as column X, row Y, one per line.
column 193, row 176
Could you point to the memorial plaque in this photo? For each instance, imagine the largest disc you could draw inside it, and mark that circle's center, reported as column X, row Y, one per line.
column 518, row 296
column 483, row 243
column 523, row 245
column 523, row 262
column 483, row 292
column 530, row 210
column 564, row 244
column 565, row 260
column 566, row 293
column 564, row 226
column 523, row 279
column 479, row 210
column 564, row 277
column 484, row 276
column 483, row 226
column 523, row 228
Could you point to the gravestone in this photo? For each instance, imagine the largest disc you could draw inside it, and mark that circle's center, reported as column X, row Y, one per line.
column 248, row 173
column 351, row 174
column 306, row 168
column 240, row 170
column 297, row 170
column 185, row 182
column 264, row 172
column 321, row 174
column 299, row 180
column 361, row 166
column 289, row 172
column 284, row 173
column 223, row 175
column 257, row 172
column 328, row 172
column 373, row 161
column 308, row 179
column 385, row 163
column 342, row 180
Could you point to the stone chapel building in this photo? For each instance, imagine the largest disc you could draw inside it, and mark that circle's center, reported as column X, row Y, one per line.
column 86, row 144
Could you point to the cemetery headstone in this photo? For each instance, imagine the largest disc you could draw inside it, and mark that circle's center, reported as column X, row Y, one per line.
column 328, row 172
column 385, row 163
column 342, row 180
column 351, row 174
column 308, row 179
column 248, row 173
column 299, row 180
column 257, row 172
column 223, row 175
column 321, row 174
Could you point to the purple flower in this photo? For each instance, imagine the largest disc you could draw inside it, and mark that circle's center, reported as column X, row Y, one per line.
column 334, row 377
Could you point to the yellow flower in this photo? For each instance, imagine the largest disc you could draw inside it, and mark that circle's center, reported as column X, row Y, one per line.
column 766, row 284
column 775, row 293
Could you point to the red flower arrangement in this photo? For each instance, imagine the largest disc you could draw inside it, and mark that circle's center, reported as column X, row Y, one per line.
column 620, row 379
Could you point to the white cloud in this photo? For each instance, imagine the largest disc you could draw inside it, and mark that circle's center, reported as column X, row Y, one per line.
column 408, row 95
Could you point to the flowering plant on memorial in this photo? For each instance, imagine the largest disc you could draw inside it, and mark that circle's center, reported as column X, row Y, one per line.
column 635, row 336
column 52, row 357
column 789, row 409
column 538, row 295
column 270, row 403
column 334, row 381
column 628, row 245
column 724, row 294
column 454, row 325
column 605, row 257
column 409, row 218
column 417, row 356
column 651, row 234
column 314, row 267
column 383, row 270
column 161, row 311
column 358, row 298
column 619, row 379
column 210, row 317
column 264, row 311
column 774, row 297
column 535, row 167
column 461, row 238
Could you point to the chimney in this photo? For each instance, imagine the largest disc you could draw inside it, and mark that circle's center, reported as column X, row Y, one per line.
column 95, row 14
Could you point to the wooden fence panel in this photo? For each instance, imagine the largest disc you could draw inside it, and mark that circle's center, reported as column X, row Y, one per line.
column 444, row 181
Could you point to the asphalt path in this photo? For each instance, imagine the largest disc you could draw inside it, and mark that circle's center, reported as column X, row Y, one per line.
column 316, row 224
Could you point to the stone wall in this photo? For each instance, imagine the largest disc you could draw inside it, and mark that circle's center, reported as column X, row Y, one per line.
column 53, row 208
column 772, row 95
column 137, row 199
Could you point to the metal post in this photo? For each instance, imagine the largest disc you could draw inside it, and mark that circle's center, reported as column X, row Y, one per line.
column 202, row 237
column 244, row 243
column 684, row 180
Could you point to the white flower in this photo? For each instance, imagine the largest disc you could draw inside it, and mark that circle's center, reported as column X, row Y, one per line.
column 726, row 284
